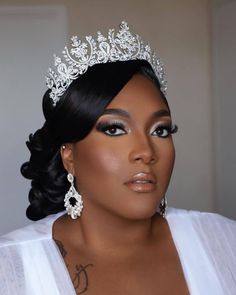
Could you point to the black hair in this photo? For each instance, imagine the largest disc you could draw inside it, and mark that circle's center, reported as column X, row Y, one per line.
column 70, row 121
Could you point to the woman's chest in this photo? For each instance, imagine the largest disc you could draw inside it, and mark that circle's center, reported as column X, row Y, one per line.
column 146, row 274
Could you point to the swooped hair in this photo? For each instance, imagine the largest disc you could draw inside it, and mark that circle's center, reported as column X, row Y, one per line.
column 70, row 121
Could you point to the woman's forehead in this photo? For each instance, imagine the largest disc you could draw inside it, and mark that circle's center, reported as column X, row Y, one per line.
column 140, row 93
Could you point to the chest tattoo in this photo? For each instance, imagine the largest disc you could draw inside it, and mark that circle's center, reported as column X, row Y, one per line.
column 61, row 248
column 80, row 280
column 80, row 277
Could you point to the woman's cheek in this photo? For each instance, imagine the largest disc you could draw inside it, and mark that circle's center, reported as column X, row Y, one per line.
column 101, row 161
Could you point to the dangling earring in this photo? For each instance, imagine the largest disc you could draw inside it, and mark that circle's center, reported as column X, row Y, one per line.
column 73, row 200
column 163, row 207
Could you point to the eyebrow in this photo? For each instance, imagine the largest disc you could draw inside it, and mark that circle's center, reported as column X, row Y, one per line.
column 123, row 113
column 118, row 112
column 161, row 113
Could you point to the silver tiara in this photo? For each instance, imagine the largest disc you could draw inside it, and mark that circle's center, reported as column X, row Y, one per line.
column 120, row 46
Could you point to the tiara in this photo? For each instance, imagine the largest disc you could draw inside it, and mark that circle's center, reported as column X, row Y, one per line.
column 120, row 46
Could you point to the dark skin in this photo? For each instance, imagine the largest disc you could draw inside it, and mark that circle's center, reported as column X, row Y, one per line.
column 120, row 245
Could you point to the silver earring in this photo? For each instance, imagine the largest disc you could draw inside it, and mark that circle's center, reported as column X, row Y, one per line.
column 163, row 207
column 73, row 201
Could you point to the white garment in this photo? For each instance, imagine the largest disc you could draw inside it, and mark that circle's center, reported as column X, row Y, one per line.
column 31, row 264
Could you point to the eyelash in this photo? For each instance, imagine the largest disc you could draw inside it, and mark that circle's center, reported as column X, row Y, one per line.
column 104, row 127
column 107, row 127
column 170, row 129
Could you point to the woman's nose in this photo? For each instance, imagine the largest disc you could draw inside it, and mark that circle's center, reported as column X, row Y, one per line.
column 143, row 151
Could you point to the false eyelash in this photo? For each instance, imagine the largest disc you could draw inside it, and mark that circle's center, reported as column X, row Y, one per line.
column 174, row 128
column 170, row 128
column 103, row 126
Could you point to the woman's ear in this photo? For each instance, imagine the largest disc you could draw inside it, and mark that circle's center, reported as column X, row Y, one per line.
column 67, row 157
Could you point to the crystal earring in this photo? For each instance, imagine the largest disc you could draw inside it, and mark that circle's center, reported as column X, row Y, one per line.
column 73, row 201
column 163, row 207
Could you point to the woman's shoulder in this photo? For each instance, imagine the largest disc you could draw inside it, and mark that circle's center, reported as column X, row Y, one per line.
column 28, row 256
column 194, row 214
column 209, row 238
column 36, row 231
column 211, row 229
column 206, row 243
column 207, row 222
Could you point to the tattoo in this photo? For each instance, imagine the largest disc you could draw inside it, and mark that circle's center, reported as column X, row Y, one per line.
column 61, row 248
column 80, row 279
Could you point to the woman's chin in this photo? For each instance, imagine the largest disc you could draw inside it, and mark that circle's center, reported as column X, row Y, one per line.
column 144, row 211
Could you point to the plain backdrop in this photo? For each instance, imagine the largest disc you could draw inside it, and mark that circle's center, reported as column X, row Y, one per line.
column 196, row 41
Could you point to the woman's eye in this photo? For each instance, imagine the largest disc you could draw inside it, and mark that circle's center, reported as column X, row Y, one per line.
column 165, row 131
column 112, row 129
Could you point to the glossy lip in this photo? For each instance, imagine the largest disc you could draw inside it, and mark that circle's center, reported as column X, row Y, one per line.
column 142, row 183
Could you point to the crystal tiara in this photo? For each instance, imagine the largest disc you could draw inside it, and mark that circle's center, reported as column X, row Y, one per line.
column 120, row 46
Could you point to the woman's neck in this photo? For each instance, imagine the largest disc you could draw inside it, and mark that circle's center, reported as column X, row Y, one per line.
column 100, row 231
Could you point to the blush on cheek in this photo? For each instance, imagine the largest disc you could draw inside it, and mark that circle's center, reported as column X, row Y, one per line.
column 101, row 160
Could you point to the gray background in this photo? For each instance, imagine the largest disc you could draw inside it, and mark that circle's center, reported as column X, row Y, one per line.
column 196, row 41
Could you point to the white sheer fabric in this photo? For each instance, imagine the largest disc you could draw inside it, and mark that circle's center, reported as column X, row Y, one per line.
column 30, row 263
column 206, row 244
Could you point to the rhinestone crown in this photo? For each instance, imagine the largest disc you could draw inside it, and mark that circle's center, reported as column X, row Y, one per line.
column 121, row 46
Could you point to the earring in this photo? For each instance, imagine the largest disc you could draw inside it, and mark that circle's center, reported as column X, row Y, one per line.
column 73, row 201
column 163, row 207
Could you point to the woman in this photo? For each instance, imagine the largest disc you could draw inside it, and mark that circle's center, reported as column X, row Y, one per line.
column 105, row 154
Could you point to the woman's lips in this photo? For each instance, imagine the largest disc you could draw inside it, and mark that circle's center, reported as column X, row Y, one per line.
column 142, row 183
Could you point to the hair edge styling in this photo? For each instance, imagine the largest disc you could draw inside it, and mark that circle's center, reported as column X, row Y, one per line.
column 96, row 88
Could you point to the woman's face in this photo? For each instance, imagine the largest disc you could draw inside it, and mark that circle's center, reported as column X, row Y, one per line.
column 124, row 165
